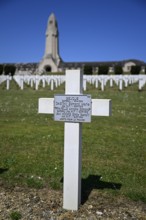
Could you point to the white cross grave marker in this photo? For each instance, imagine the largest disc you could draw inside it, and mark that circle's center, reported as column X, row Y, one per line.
column 73, row 108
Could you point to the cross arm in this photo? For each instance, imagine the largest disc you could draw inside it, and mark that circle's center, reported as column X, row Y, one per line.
column 101, row 107
column 46, row 105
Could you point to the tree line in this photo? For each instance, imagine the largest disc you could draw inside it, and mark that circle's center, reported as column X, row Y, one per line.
column 10, row 69
column 118, row 70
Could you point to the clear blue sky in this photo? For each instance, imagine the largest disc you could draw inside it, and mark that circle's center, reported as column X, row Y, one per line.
column 89, row 30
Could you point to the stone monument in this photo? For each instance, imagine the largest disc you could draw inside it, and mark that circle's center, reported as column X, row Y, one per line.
column 51, row 58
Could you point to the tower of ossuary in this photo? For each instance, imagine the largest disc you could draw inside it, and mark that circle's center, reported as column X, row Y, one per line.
column 51, row 58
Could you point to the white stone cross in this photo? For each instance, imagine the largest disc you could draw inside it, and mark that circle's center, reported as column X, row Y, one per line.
column 73, row 138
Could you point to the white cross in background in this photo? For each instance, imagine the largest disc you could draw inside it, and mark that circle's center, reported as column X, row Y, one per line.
column 73, row 108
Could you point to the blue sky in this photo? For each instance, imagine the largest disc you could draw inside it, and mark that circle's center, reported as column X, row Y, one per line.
column 89, row 30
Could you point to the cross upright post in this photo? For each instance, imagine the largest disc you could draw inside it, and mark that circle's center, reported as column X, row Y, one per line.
column 72, row 148
column 73, row 130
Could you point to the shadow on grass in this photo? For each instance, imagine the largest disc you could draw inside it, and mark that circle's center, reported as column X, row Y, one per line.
column 3, row 170
column 95, row 182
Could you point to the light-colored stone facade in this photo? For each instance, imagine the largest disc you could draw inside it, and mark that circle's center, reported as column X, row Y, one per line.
column 127, row 66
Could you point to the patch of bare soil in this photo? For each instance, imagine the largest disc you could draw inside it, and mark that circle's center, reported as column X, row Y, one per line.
column 46, row 204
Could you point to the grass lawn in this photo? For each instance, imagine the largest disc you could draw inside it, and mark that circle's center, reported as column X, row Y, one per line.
column 114, row 148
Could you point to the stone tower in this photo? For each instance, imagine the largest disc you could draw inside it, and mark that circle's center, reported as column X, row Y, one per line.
column 51, row 58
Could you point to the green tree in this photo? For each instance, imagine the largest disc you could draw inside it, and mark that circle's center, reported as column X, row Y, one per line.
column 9, row 70
column 135, row 70
column 118, row 70
column 1, row 69
column 88, row 70
column 103, row 70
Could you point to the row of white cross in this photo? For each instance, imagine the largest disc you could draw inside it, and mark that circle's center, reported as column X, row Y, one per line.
column 120, row 81
column 35, row 80
column 98, row 81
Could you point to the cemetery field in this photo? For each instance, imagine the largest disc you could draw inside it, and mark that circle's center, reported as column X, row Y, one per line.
column 113, row 151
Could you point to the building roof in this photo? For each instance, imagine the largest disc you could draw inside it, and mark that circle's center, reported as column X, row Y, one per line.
column 99, row 63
